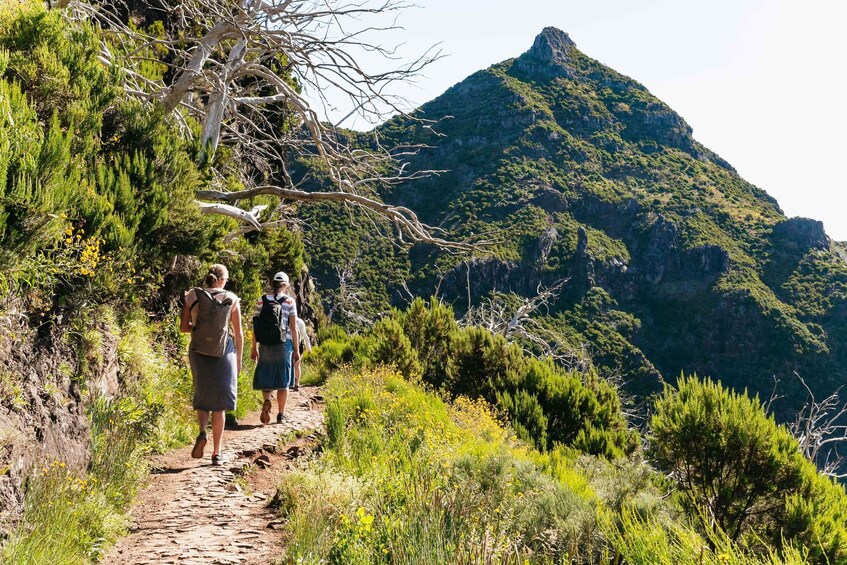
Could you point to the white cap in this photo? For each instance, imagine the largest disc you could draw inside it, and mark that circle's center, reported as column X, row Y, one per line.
column 281, row 277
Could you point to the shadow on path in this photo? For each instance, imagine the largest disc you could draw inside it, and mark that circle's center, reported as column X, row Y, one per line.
column 168, row 470
column 243, row 427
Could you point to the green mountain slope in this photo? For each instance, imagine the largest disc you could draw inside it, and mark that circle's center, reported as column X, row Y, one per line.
column 675, row 263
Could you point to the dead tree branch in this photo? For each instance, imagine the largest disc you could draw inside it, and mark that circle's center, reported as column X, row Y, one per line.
column 251, row 73
column 349, row 299
column 513, row 318
column 820, row 429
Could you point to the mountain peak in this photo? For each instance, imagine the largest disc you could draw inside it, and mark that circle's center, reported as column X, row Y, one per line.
column 550, row 53
column 552, row 45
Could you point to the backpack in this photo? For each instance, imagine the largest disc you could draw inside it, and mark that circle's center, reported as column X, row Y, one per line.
column 268, row 326
column 211, row 330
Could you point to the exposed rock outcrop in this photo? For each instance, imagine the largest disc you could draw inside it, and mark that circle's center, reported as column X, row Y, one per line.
column 802, row 233
column 42, row 416
column 549, row 55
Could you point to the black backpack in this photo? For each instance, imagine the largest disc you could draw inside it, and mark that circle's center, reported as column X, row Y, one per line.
column 268, row 326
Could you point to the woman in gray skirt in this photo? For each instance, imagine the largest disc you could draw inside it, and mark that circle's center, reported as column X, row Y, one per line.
column 214, row 354
column 274, row 333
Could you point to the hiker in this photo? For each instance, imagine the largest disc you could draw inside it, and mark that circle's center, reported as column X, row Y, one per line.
column 274, row 333
column 304, row 343
column 214, row 354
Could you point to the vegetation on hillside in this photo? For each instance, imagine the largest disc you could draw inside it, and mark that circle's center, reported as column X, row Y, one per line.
column 96, row 192
column 444, row 442
column 405, row 476
column 546, row 405
column 72, row 514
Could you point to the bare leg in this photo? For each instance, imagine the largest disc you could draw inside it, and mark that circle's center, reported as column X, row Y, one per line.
column 281, row 399
column 203, row 419
column 200, row 443
column 297, row 373
column 265, row 416
column 217, row 431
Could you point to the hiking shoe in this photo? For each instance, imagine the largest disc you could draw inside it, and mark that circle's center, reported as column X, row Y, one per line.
column 265, row 417
column 199, row 445
column 216, row 460
column 280, row 417
column 295, row 388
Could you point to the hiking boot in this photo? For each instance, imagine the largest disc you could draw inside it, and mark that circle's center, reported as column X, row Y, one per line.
column 265, row 417
column 280, row 417
column 199, row 445
column 216, row 460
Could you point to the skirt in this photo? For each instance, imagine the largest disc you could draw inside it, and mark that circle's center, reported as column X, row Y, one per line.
column 215, row 380
column 274, row 370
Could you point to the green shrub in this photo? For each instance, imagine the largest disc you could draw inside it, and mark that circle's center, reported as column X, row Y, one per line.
column 392, row 347
column 545, row 404
column 816, row 517
column 430, row 483
column 326, row 358
column 483, row 363
column 525, row 415
column 96, row 190
column 736, row 466
column 431, row 330
column 731, row 459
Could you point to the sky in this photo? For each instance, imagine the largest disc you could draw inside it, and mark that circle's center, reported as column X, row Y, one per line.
column 763, row 83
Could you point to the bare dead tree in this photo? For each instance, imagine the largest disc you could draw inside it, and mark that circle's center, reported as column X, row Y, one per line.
column 820, row 429
column 512, row 317
column 349, row 298
column 242, row 69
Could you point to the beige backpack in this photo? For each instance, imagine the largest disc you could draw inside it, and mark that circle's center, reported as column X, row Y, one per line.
column 210, row 332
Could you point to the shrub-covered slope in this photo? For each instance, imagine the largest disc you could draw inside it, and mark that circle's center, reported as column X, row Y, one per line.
column 675, row 262
column 405, row 477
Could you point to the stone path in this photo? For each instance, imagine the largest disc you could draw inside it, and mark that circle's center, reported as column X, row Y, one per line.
column 193, row 513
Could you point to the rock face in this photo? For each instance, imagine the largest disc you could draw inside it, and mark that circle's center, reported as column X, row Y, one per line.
column 803, row 233
column 673, row 261
column 549, row 55
column 42, row 418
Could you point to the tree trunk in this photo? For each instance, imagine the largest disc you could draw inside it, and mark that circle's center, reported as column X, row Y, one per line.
column 211, row 133
column 189, row 75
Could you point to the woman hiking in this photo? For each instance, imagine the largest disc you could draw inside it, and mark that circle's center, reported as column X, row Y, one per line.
column 214, row 354
column 274, row 336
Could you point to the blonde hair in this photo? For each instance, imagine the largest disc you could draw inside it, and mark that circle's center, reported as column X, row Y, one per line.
column 216, row 273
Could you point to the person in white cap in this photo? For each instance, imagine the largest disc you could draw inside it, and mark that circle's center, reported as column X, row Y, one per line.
column 274, row 336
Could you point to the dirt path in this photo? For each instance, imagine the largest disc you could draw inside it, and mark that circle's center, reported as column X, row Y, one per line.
column 192, row 512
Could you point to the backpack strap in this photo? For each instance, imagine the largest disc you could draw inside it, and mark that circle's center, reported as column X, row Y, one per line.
column 198, row 291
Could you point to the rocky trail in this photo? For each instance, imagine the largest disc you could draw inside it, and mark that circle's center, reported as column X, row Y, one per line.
column 192, row 512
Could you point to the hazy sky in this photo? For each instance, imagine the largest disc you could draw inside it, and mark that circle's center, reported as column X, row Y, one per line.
column 762, row 82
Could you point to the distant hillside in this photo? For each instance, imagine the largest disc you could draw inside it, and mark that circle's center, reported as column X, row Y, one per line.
column 675, row 262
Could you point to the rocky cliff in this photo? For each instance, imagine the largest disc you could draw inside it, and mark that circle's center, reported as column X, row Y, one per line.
column 42, row 399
